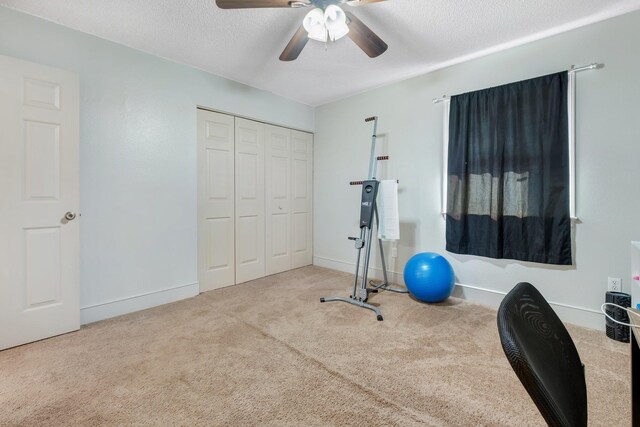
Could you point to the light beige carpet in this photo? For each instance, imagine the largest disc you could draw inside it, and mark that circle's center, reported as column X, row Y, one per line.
column 268, row 353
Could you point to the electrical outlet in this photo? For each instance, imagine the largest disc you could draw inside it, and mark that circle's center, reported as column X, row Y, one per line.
column 615, row 284
column 394, row 252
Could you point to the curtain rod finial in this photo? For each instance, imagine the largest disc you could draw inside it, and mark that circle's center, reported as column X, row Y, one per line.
column 592, row 66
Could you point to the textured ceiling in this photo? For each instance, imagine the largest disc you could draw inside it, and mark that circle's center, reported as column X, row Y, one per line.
column 244, row 45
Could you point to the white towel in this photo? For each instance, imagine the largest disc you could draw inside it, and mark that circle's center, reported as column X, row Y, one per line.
column 389, row 226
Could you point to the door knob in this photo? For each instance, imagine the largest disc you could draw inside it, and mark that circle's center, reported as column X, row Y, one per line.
column 70, row 216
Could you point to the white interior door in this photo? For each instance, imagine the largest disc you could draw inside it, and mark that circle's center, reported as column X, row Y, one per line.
column 278, row 198
column 302, row 204
column 216, row 217
column 39, row 184
column 250, row 262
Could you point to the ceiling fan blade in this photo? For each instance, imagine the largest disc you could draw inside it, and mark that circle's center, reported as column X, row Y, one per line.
column 366, row 39
column 250, row 4
column 295, row 46
column 361, row 2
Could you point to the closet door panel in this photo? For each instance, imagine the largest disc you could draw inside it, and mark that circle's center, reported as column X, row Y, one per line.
column 302, row 201
column 250, row 201
column 278, row 198
column 216, row 217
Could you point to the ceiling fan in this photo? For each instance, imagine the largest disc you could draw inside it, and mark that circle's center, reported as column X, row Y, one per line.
column 326, row 21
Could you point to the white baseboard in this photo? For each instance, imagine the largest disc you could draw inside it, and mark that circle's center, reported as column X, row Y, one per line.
column 96, row 312
column 349, row 267
column 568, row 313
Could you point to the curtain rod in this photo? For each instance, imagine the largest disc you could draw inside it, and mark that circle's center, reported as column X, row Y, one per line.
column 571, row 70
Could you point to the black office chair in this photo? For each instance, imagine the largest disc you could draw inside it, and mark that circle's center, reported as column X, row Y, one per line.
column 543, row 356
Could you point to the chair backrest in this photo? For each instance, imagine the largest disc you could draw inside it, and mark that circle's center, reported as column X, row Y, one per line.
column 543, row 356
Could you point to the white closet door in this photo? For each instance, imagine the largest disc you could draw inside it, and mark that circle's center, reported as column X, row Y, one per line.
column 39, row 202
column 278, row 198
column 302, row 204
column 216, row 217
column 250, row 224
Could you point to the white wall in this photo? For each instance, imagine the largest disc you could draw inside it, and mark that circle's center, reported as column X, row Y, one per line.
column 608, row 153
column 137, row 159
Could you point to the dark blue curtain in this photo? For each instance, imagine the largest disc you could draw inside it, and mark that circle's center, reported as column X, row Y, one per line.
column 508, row 189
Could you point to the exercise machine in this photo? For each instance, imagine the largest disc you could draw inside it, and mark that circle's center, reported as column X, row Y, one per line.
column 368, row 212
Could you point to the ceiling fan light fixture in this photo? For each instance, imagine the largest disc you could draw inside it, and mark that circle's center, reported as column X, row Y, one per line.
column 313, row 23
column 326, row 21
column 335, row 21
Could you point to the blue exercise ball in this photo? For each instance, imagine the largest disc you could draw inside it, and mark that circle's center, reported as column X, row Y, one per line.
column 429, row 277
